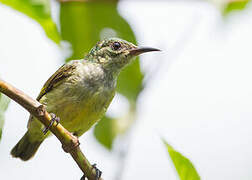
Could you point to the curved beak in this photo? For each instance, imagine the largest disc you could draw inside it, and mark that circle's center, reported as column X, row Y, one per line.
column 140, row 50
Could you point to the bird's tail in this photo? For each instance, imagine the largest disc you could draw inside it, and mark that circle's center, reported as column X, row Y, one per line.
column 25, row 149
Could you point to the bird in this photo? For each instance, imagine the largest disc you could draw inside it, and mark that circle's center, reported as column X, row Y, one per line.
column 79, row 92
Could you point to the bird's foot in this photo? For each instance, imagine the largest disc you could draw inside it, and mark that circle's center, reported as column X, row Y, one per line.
column 74, row 143
column 54, row 119
column 97, row 172
column 83, row 177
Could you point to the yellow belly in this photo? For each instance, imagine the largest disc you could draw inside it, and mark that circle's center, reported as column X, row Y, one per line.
column 77, row 112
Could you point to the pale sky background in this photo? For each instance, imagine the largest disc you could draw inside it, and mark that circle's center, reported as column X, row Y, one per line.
column 198, row 96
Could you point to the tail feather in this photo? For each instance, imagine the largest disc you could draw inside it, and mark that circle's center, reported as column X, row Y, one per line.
column 25, row 149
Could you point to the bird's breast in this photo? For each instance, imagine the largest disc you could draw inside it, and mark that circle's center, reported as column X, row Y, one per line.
column 82, row 99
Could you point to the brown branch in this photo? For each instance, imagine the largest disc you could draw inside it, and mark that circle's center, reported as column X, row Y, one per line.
column 65, row 137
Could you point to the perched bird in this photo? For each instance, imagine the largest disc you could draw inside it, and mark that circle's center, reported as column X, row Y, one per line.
column 80, row 92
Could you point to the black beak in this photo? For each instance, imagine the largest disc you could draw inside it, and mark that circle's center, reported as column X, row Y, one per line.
column 140, row 50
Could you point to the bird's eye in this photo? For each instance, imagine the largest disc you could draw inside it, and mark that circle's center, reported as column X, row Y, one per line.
column 116, row 46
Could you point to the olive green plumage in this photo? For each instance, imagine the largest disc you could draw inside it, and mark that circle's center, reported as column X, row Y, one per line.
column 80, row 92
column 25, row 149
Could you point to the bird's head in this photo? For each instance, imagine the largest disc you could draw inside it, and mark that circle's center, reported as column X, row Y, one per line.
column 114, row 53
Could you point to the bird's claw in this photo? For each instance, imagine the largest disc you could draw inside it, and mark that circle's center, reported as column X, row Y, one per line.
column 97, row 172
column 83, row 177
column 54, row 119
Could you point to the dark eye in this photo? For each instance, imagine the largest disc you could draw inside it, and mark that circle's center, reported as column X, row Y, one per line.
column 116, row 46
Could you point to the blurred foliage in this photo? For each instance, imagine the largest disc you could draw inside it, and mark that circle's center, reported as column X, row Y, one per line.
column 108, row 128
column 82, row 25
column 39, row 10
column 4, row 101
column 184, row 167
column 227, row 6
column 234, row 6
column 105, row 131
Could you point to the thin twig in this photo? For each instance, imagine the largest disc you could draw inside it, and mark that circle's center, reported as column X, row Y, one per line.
column 65, row 137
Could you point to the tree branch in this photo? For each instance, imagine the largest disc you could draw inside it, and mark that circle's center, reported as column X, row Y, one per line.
column 65, row 137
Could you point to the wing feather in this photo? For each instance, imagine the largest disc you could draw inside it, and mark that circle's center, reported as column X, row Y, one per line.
column 57, row 78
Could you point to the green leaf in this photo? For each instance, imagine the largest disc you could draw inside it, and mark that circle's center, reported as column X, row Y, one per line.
column 235, row 6
column 184, row 167
column 4, row 102
column 83, row 25
column 105, row 132
column 39, row 10
column 108, row 129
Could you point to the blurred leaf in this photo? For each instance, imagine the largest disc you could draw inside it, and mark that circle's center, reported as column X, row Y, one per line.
column 4, row 102
column 227, row 6
column 38, row 10
column 105, row 132
column 184, row 167
column 234, row 6
column 85, row 23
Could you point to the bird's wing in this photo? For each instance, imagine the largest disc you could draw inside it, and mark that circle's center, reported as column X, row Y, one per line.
column 57, row 78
